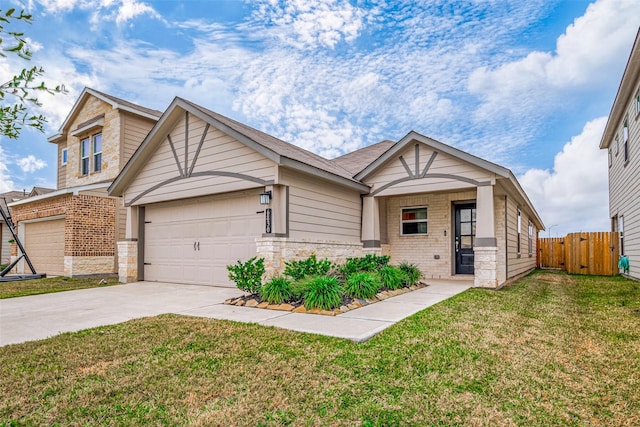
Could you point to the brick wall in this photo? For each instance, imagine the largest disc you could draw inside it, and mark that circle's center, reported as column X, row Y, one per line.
column 90, row 223
column 90, row 228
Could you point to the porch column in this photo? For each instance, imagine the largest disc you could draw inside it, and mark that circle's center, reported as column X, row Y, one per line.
column 279, row 210
column 370, row 235
column 128, row 248
column 486, row 246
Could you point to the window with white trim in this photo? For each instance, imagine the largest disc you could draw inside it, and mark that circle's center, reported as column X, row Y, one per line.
column 519, row 231
column 530, row 239
column 63, row 156
column 413, row 221
column 91, row 154
column 625, row 139
column 621, row 233
column 638, row 102
column 97, row 152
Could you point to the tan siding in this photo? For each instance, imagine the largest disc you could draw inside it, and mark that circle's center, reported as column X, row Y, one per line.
column 624, row 181
column 518, row 261
column 319, row 210
column 443, row 164
column 219, row 152
column 5, row 246
column 135, row 129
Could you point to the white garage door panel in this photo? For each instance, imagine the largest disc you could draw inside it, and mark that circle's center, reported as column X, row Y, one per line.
column 225, row 228
column 44, row 243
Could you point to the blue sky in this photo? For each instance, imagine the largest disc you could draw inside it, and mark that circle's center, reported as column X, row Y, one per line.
column 525, row 84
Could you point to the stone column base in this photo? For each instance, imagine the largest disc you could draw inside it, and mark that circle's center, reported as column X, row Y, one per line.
column 485, row 267
column 87, row 265
column 277, row 250
column 128, row 261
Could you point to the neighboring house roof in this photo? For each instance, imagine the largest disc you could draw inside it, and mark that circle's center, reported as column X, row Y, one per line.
column 38, row 191
column 279, row 151
column 55, row 193
column 10, row 197
column 625, row 91
column 357, row 160
column 116, row 103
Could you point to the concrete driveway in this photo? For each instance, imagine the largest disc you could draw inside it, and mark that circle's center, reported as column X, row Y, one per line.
column 42, row 316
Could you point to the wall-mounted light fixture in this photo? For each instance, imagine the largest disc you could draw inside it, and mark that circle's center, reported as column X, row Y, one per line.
column 265, row 198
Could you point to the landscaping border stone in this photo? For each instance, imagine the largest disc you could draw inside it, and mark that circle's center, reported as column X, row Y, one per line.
column 254, row 301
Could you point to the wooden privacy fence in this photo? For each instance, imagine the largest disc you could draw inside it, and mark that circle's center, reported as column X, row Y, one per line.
column 581, row 253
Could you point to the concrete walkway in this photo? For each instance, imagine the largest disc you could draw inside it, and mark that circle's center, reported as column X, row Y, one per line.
column 42, row 316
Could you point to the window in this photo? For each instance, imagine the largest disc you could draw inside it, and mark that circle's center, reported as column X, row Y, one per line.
column 625, row 140
column 519, row 230
column 610, row 156
column 85, row 148
column 638, row 102
column 91, row 154
column 414, row 221
column 617, row 145
column 63, row 156
column 621, row 233
column 530, row 239
column 97, row 152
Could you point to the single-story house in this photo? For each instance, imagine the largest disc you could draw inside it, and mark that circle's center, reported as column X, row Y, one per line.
column 204, row 191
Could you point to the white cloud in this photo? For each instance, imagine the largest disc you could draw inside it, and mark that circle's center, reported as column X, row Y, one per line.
column 118, row 11
column 308, row 24
column 591, row 47
column 573, row 196
column 6, row 183
column 30, row 164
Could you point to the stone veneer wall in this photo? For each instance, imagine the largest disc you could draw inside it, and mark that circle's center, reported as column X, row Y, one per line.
column 90, row 230
column 277, row 250
column 128, row 261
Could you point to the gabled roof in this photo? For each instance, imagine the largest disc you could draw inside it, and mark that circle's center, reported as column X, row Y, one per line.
column 280, row 152
column 499, row 171
column 625, row 91
column 10, row 197
column 38, row 191
column 436, row 145
column 357, row 160
column 116, row 103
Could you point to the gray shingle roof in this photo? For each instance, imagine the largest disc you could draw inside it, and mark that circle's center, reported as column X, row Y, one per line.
column 357, row 160
column 278, row 146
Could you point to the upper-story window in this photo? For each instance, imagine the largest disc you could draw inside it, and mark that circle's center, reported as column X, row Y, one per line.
column 63, row 157
column 91, row 154
column 625, row 139
column 97, row 152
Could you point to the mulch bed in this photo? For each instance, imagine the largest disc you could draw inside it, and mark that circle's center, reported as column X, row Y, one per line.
column 348, row 303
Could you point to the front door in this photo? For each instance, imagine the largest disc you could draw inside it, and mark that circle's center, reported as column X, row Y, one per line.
column 465, row 237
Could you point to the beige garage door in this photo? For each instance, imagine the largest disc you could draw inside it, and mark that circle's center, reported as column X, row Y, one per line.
column 192, row 241
column 44, row 243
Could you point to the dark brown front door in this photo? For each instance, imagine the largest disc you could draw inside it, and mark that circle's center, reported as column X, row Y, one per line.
column 465, row 237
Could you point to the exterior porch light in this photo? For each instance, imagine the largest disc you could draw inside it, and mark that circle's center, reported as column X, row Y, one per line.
column 265, row 198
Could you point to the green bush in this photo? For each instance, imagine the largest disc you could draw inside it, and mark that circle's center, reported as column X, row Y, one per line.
column 324, row 293
column 308, row 267
column 411, row 272
column 247, row 275
column 276, row 290
column 369, row 262
column 362, row 285
column 391, row 277
column 299, row 288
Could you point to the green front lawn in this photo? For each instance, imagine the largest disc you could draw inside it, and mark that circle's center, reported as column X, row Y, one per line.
column 553, row 349
column 50, row 284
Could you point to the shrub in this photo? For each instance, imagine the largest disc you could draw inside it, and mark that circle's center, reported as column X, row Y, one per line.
column 411, row 272
column 276, row 290
column 247, row 275
column 300, row 288
column 391, row 277
column 308, row 267
column 324, row 293
column 362, row 285
column 369, row 262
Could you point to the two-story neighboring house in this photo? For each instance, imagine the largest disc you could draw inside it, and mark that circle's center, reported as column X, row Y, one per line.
column 73, row 230
column 621, row 139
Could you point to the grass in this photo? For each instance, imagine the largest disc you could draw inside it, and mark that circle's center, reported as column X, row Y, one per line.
column 50, row 284
column 552, row 349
